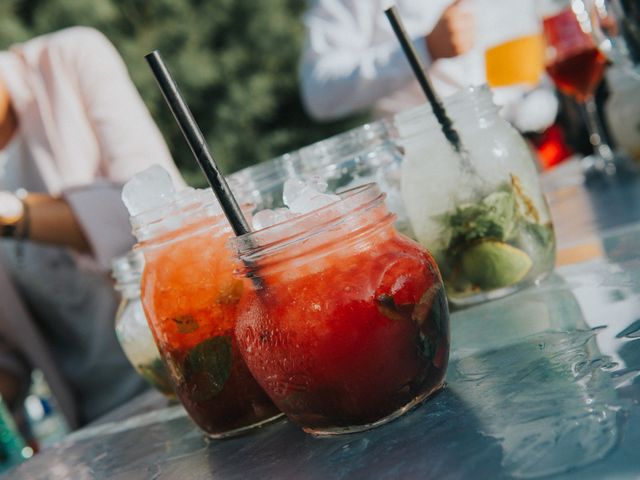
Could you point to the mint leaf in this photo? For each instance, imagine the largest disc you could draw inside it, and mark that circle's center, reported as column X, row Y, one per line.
column 207, row 367
column 501, row 212
column 495, row 216
column 186, row 324
column 483, row 238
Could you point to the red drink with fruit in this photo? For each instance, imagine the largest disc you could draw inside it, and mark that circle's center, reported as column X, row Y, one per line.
column 350, row 327
column 191, row 298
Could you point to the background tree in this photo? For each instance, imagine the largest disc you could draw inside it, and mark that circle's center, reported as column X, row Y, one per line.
column 235, row 61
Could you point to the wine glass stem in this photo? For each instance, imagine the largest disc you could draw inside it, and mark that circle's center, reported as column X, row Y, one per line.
column 597, row 137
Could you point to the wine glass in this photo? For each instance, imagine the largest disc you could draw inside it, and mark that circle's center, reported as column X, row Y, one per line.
column 576, row 65
column 616, row 29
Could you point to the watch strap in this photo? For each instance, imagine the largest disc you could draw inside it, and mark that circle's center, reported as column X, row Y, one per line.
column 9, row 231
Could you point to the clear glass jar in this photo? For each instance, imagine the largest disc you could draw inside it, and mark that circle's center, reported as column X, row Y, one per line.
column 484, row 218
column 261, row 184
column 132, row 329
column 191, row 297
column 348, row 326
column 365, row 154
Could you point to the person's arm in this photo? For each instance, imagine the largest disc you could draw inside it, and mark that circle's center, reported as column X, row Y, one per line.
column 453, row 35
column 128, row 141
column 42, row 218
column 342, row 68
column 52, row 221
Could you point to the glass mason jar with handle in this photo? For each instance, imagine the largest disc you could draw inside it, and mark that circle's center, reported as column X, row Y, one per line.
column 191, row 299
column 485, row 220
column 349, row 327
column 132, row 329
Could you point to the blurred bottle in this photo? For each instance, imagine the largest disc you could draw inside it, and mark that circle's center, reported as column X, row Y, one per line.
column 622, row 110
column 46, row 423
column 13, row 449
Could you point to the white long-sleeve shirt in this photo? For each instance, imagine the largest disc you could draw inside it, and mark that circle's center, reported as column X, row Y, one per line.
column 83, row 131
column 352, row 59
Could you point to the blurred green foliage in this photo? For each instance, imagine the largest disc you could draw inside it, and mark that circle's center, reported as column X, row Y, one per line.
column 235, row 61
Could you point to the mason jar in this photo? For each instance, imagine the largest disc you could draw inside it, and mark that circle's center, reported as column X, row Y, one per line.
column 482, row 213
column 261, row 184
column 191, row 299
column 365, row 154
column 132, row 329
column 348, row 325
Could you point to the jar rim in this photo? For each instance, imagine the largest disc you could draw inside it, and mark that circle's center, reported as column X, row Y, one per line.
column 182, row 210
column 219, row 224
column 477, row 97
column 361, row 134
column 275, row 238
column 314, row 157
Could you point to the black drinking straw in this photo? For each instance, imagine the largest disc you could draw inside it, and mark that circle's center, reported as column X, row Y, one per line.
column 423, row 80
column 195, row 139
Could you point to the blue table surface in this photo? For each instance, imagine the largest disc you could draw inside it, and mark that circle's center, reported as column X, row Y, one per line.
column 542, row 384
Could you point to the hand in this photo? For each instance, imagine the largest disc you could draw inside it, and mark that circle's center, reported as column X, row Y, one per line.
column 453, row 35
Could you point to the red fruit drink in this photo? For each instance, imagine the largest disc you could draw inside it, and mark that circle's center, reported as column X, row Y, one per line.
column 349, row 326
column 191, row 298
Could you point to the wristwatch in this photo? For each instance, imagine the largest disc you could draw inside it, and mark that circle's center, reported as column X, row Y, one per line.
column 11, row 212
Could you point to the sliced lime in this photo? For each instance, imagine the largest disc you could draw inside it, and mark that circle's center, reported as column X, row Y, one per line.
column 493, row 264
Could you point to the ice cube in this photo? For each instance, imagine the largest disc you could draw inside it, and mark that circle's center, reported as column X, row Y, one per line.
column 147, row 190
column 266, row 218
column 305, row 196
column 429, row 175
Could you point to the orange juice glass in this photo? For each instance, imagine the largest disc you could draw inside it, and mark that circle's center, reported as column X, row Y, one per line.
column 191, row 298
column 516, row 61
column 348, row 326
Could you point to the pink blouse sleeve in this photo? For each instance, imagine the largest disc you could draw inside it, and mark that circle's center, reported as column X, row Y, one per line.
column 128, row 138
